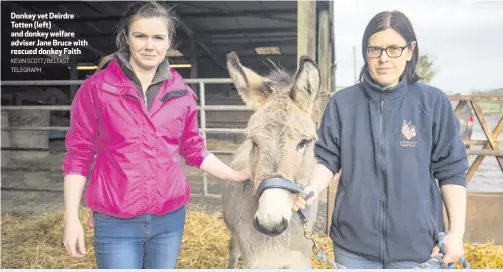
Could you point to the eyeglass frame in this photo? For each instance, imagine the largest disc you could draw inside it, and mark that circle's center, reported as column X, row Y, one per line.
column 386, row 49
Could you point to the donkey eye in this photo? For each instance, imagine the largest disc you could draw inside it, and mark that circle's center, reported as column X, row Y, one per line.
column 302, row 144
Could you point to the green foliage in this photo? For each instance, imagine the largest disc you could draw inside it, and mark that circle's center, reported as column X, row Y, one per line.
column 424, row 68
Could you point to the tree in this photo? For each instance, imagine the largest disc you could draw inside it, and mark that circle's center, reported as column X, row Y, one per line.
column 424, row 68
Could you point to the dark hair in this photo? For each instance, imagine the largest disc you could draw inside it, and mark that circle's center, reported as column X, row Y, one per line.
column 144, row 9
column 397, row 21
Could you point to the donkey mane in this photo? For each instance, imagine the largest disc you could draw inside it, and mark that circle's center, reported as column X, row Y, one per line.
column 279, row 77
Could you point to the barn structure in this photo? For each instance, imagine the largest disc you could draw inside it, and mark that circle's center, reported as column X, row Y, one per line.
column 258, row 31
column 35, row 104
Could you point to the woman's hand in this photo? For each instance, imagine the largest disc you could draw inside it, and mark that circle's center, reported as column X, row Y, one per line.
column 242, row 175
column 74, row 238
column 455, row 248
column 319, row 181
column 215, row 167
column 90, row 221
column 309, row 195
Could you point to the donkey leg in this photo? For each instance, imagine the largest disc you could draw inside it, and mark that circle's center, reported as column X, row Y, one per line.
column 234, row 252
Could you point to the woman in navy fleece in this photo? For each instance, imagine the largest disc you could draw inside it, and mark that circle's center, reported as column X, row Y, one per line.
column 397, row 144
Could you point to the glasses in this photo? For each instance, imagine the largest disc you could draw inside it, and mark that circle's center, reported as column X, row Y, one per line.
column 392, row 51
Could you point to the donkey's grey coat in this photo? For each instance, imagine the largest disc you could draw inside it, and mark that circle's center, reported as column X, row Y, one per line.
column 280, row 124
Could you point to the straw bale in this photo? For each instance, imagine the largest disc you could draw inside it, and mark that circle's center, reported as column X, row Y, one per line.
column 36, row 243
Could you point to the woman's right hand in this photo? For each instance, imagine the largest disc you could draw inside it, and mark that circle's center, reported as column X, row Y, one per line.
column 309, row 194
column 74, row 238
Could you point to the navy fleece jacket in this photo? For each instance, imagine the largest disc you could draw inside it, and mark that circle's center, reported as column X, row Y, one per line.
column 392, row 147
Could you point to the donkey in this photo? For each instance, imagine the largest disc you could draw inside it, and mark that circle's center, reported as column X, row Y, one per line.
column 265, row 232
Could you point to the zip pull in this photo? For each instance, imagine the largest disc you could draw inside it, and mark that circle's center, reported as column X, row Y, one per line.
column 382, row 105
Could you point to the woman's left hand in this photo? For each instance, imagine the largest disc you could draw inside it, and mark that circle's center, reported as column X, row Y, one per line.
column 242, row 175
column 455, row 248
column 90, row 220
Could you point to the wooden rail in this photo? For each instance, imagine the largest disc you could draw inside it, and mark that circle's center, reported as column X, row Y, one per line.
column 490, row 145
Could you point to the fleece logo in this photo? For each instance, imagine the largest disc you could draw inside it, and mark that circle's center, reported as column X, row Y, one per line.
column 408, row 132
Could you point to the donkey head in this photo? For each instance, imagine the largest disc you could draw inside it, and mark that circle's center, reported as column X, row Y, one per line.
column 281, row 134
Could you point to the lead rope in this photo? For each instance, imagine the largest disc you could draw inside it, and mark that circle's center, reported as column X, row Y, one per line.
column 318, row 249
column 436, row 259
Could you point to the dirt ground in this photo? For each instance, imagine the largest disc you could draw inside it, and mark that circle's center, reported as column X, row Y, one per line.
column 36, row 188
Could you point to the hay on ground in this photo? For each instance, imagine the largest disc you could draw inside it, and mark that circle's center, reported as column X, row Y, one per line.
column 30, row 243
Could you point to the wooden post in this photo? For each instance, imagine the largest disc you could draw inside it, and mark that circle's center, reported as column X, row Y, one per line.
column 331, row 83
column 306, row 34
column 306, row 29
column 323, row 64
column 333, row 49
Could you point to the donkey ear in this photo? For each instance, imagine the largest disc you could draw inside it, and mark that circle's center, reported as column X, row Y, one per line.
column 306, row 84
column 250, row 86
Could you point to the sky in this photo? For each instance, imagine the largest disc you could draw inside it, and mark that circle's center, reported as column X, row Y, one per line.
column 464, row 39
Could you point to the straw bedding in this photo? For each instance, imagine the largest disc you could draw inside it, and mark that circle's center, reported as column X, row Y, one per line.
column 36, row 243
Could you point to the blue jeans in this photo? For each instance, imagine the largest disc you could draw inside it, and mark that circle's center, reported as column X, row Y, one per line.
column 354, row 261
column 145, row 241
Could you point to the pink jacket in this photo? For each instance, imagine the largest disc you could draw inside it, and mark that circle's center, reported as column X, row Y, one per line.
column 137, row 168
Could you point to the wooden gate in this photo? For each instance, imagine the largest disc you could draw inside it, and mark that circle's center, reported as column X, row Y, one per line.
column 491, row 144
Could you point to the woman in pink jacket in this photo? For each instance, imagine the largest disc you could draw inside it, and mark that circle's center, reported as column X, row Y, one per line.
column 134, row 119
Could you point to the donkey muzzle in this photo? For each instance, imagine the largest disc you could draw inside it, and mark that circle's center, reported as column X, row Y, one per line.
column 281, row 183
